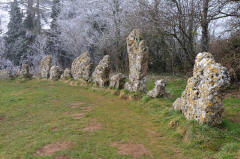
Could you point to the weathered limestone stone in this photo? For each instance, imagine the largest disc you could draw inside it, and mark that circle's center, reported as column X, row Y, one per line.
column 118, row 81
column 5, row 75
column 102, row 72
column 66, row 74
column 46, row 66
column 24, row 72
column 159, row 89
column 202, row 98
column 55, row 73
column 138, row 61
column 82, row 67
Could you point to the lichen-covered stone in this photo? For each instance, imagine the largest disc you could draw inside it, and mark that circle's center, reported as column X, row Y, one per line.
column 5, row 75
column 82, row 67
column 138, row 55
column 202, row 98
column 55, row 73
column 24, row 72
column 118, row 81
column 159, row 89
column 66, row 74
column 102, row 72
column 46, row 66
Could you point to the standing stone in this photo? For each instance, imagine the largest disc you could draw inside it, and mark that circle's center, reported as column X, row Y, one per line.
column 45, row 66
column 202, row 98
column 102, row 72
column 82, row 67
column 138, row 55
column 159, row 89
column 55, row 73
column 5, row 75
column 117, row 81
column 24, row 72
column 66, row 74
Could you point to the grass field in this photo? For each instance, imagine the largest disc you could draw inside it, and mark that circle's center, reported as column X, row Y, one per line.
column 53, row 120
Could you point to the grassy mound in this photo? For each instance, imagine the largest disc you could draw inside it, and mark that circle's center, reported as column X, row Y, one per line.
column 53, row 120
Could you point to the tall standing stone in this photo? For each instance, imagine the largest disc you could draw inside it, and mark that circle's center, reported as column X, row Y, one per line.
column 82, row 67
column 202, row 98
column 45, row 66
column 102, row 72
column 138, row 55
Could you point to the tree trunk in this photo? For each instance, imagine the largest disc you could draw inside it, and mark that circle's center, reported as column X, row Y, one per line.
column 38, row 23
column 204, row 26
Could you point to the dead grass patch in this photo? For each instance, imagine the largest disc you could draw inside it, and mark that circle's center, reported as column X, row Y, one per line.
column 52, row 148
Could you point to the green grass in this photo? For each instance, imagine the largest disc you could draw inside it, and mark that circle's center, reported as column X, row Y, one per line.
column 29, row 110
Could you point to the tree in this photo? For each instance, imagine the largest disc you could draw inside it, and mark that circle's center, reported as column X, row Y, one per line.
column 29, row 20
column 15, row 35
column 54, row 43
column 212, row 10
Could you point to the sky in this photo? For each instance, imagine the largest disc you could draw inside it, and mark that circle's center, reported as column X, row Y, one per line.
column 4, row 15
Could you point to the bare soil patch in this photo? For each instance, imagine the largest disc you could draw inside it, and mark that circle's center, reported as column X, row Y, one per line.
column 232, row 93
column 52, row 148
column 233, row 117
column 135, row 150
column 54, row 128
column 76, row 105
column 2, row 118
column 93, row 126
column 151, row 133
column 86, row 109
column 77, row 115
column 61, row 157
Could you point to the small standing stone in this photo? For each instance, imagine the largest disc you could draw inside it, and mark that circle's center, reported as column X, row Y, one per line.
column 5, row 75
column 202, row 99
column 118, row 81
column 55, row 73
column 24, row 72
column 82, row 67
column 138, row 54
column 159, row 89
column 46, row 66
column 66, row 74
column 102, row 72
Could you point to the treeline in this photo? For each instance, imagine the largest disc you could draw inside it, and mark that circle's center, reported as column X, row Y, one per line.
column 175, row 30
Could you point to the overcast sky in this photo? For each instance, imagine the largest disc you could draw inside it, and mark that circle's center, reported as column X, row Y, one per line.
column 4, row 14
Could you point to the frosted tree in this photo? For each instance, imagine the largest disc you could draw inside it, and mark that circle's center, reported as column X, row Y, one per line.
column 15, row 48
column 97, row 26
